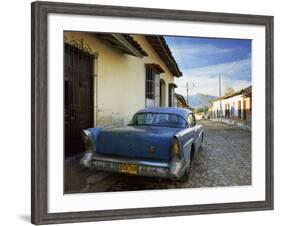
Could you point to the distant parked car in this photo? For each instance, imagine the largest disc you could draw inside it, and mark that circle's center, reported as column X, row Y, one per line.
column 159, row 142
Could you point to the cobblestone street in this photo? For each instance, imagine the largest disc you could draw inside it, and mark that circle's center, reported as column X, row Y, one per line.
column 223, row 160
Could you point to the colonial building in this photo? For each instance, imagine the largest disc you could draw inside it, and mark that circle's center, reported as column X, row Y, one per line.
column 237, row 106
column 108, row 77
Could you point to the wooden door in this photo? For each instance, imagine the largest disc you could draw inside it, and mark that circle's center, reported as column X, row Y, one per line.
column 244, row 110
column 239, row 109
column 78, row 97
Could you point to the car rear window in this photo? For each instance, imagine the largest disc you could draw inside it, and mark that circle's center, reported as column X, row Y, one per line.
column 158, row 119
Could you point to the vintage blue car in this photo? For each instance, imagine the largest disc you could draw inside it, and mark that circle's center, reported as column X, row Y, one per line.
column 158, row 142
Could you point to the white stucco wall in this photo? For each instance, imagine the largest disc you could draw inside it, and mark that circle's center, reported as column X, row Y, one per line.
column 232, row 101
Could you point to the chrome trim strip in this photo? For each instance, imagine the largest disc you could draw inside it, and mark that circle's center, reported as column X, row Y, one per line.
column 132, row 161
column 183, row 132
column 200, row 133
column 156, row 164
column 187, row 143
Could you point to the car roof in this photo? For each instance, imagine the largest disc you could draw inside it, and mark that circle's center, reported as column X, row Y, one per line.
column 168, row 110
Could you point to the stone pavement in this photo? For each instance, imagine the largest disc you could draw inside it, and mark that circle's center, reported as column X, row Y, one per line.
column 240, row 123
column 223, row 160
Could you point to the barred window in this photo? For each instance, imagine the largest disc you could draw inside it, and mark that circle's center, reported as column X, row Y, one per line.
column 150, row 83
column 172, row 87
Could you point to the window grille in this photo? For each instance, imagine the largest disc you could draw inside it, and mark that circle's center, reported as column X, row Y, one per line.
column 171, row 96
column 152, row 87
column 150, row 84
column 78, row 94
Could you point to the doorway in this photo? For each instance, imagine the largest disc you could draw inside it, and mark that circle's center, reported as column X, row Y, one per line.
column 78, row 97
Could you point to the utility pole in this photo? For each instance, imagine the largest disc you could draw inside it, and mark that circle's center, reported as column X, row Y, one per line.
column 187, row 93
column 220, row 95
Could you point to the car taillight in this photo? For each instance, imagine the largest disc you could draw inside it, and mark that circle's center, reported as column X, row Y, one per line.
column 176, row 151
column 86, row 135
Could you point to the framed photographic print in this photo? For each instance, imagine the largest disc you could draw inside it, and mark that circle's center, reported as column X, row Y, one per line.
column 140, row 112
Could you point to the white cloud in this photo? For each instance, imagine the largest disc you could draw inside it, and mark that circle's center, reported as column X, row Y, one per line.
column 186, row 54
column 236, row 74
column 199, row 49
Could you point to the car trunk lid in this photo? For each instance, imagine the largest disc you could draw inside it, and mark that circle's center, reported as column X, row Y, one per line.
column 144, row 142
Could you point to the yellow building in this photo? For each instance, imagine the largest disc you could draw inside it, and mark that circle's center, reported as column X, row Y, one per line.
column 108, row 77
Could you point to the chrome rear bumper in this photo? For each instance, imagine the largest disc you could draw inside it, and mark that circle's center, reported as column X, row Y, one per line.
column 173, row 170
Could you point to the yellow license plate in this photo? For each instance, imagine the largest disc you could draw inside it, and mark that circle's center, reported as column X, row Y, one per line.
column 129, row 168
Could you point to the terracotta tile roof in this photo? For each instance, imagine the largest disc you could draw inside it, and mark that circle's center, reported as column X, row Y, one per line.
column 158, row 43
column 164, row 52
column 135, row 44
column 246, row 92
column 123, row 42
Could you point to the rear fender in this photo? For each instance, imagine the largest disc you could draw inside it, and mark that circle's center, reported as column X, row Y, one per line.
column 186, row 140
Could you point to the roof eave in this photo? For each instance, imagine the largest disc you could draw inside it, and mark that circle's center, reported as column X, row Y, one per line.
column 124, row 43
column 162, row 49
column 128, row 45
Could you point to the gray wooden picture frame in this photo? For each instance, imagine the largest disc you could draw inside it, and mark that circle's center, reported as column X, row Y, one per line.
column 39, row 192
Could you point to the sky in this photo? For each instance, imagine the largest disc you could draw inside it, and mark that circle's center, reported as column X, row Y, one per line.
column 202, row 60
